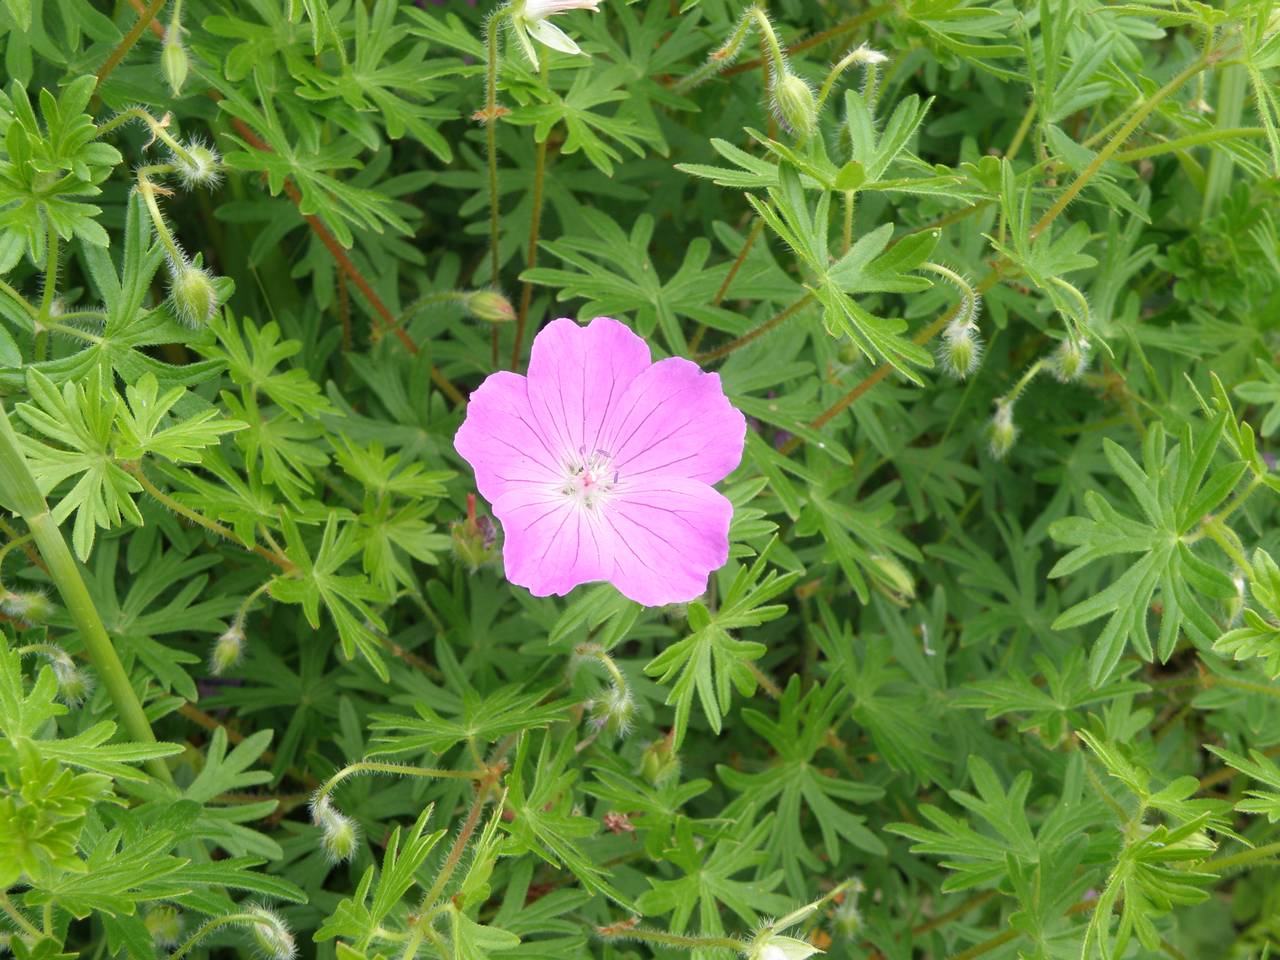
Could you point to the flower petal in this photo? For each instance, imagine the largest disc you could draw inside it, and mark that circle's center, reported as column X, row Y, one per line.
column 551, row 544
column 552, row 36
column 675, row 421
column 671, row 533
column 577, row 375
column 502, row 441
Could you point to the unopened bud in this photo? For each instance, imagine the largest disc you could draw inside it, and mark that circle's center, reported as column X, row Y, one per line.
column 173, row 58
column 770, row 946
column 228, row 649
column 960, row 350
column 612, row 713
column 1001, row 432
column 192, row 293
column 489, row 305
column 74, row 685
column 271, row 934
column 164, row 923
column 795, row 105
column 27, row 608
column 339, row 834
column 198, row 165
column 1070, row 360
column 894, row 579
column 660, row 762
column 475, row 538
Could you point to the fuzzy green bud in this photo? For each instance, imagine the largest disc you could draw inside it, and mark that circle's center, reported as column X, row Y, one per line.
column 612, row 712
column 74, row 685
column 489, row 305
column 1001, row 431
column 164, row 923
column 960, row 350
column 272, row 935
column 27, row 608
column 339, row 834
column 660, row 762
column 795, row 105
column 893, row 579
column 173, row 59
column 192, row 293
column 198, row 164
column 228, row 650
column 1071, row 360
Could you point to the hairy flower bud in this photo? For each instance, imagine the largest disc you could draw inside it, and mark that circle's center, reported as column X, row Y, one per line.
column 612, row 712
column 339, row 834
column 489, row 305
column 1001, row 432
column 475, row 538
column 1070, row 360
column 894, row 579
column 199, row 165
column 228, row 649
column 164, row 923
column 192, row 294
column 74, row 685
column 271, row 934
column 960, row 350
column 795, row 105
column 28, row 608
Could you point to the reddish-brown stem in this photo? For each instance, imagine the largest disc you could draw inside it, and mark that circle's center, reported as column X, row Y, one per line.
column 535, row 231
column 146, row 16
column 848, row 26
column 747, row 244
column 330, row 242
column 770, row 324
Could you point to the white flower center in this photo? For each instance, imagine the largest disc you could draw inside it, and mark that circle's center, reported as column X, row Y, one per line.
column 589, row 479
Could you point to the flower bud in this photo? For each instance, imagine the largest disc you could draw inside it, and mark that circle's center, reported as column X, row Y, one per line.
column 164, row 923
column 227, row 650
column 27, row 608
column 339, row 834
column 1001, row 432
column 173, row 58
column 894, row 579
column 74, row 685
column 192, row 294
column 474, row 538
column 1070, row 360
column 271, row 934
column 795, row 104
column 960, row 350
column 612, row 712
column 198, row 165
column 489, row 305
column 660, row 762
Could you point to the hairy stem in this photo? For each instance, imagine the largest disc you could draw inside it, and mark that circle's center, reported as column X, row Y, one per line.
column 128, row 40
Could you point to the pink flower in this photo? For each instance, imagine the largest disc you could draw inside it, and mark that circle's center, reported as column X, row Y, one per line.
column 599, row 465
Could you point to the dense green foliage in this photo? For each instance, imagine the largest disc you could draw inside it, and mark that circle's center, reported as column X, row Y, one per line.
column 992, row 669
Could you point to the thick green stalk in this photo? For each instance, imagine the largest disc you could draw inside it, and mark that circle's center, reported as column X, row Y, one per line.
column 21, row 495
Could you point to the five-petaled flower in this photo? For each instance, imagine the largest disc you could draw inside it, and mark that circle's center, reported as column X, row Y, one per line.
column 599, row 465
column 529, row 20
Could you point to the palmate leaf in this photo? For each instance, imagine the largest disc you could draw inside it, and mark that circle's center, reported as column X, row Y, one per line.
column 710, row 661
column 346, row 596
column 1264, row 770
column 795, row 781
column 709, row 868
column 1173, row 495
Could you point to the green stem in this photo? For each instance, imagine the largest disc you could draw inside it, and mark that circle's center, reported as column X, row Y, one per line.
column 50, row 292
column 208, row 928
column 1244, row 857
column 1117, row 141
column 778, row 59
column 22, row 301
column 16, row 915
column 126, row 44
column 1247, row 685
column 720, row 58
column 1191, row 140
column 157, row 127
column 23, row 496
column 148, row 191
column 1012, row 396
column 394, row 769
column 622, row 932
column 750, row 335
column 491, row 139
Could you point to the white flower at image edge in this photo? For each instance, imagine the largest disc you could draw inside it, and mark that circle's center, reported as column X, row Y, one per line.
column 783, row 948
column 530, row 19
